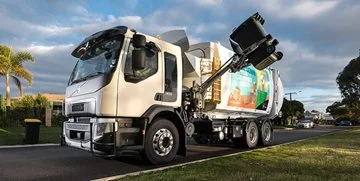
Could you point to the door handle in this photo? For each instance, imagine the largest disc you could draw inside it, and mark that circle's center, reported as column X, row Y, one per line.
column 158, row 97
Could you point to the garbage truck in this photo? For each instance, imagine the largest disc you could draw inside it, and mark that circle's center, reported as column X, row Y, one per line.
column 132, row 92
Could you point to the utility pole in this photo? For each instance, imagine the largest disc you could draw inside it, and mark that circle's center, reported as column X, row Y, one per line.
column 291, row 106
column 291, row 93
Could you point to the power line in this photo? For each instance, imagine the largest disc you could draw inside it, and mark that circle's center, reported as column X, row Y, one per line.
column 291, row 93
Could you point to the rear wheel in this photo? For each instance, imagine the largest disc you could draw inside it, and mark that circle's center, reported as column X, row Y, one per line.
column 250, row 137
column 266, row 134
column 161, row 142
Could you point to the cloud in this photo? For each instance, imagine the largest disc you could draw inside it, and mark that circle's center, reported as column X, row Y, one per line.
column 303, row 9
column 131, row 21
column 319, row 101
column 302, row 67
column 311, row 72
column 194, row 39
column 43, row 50
column 208, row 2
column 150, row 25
column 210, row 27
column 52, row 67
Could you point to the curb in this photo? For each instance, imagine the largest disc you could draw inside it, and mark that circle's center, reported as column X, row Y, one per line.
column 207, row 159
column 28, row 146
column 284, row 128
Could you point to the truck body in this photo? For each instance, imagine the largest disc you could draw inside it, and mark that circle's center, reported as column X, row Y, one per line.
column 134, row 92
column 248, row 93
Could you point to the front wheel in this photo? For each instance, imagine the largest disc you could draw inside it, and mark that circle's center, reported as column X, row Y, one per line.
column 161, row 142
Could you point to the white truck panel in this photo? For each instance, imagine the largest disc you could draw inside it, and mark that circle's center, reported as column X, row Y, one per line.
column 247, row 93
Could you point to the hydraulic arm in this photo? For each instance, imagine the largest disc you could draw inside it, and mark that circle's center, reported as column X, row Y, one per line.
column 251, row 46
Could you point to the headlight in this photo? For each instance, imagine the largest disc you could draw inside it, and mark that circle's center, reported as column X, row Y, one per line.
column 100, row 129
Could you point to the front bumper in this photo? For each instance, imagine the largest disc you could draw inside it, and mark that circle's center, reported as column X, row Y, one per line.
column 105, row 136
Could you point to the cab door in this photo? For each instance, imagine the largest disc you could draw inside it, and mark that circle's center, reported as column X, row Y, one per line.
column 137, row 89
column 172, row 77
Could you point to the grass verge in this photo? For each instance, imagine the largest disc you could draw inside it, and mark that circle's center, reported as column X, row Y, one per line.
column 15, row 135
column 332, row 157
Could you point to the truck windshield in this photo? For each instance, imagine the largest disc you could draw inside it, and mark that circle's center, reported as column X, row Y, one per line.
column 98, row 59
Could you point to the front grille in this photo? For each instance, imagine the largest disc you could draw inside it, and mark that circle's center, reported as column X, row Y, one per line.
column 77, row 127
column 83, row 120
column 77, row 107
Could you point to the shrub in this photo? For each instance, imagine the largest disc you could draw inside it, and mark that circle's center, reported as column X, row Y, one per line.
column 57, row 120
column 26, row 107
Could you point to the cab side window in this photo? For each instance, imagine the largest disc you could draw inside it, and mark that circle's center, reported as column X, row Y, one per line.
column 170, row 78
column 151, row 66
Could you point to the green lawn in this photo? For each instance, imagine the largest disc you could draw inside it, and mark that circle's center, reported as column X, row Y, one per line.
column 15, row 135
column 333, row 157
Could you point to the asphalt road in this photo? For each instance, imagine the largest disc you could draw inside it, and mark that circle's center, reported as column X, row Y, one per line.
column 65, row 163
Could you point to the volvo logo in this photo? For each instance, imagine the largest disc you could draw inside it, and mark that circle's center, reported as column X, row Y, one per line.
column 78, row 89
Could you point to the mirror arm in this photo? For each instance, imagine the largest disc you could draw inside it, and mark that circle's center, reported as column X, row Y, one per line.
column 151, row 45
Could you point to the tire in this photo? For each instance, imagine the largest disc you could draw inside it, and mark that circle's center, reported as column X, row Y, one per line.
column 161, row 142
column 250, row 137
column 266, row 134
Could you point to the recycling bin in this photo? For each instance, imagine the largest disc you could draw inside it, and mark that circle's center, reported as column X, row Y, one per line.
column 32, row 131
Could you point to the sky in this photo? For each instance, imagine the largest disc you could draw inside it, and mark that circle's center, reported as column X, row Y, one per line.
column 318, row 37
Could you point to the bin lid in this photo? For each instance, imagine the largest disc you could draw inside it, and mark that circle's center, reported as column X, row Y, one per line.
column 32, row 121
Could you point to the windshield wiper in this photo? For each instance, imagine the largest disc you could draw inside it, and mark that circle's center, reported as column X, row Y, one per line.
column 86, row 77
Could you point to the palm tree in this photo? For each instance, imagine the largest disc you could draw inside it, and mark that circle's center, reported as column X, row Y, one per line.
column 11, row 66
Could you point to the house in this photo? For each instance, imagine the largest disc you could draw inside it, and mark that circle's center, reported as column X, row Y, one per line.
column 55, row 100
column 56, row 105
column 329, row 119
column 314, row 115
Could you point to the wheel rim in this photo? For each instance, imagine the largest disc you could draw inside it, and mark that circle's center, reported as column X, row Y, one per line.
column 163, row 142
column 253, row 134
column 267, row 133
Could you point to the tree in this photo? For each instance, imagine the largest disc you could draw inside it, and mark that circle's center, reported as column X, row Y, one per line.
column 11, row 67
column 339, row 110
column 292, row 110
column 29, row 101
column 348, row 81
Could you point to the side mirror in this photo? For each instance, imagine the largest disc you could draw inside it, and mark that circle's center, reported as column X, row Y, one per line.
column 138, row 59
column 139, row 41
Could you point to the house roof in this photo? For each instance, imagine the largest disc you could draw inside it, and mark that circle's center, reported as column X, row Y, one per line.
column 54, row 97
column 49, row 97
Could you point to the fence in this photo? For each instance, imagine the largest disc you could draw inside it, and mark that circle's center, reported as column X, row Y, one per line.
column 14, row 117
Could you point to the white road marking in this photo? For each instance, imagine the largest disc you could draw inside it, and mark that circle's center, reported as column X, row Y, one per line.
column 27, row 146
